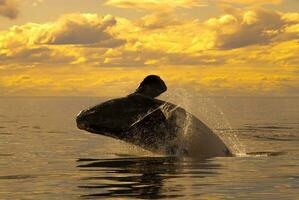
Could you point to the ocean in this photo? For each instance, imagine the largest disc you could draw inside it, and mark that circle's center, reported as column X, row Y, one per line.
column 44, row 156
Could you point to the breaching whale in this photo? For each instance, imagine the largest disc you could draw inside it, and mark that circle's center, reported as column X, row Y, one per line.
column 152, row 124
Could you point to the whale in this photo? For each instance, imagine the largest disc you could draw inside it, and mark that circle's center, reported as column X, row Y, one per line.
column 155, row 125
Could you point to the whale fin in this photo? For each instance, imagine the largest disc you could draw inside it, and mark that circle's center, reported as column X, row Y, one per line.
column 152, row 86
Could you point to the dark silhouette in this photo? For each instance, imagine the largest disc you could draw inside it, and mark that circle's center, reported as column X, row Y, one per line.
column 151, row 86
column 153, row 124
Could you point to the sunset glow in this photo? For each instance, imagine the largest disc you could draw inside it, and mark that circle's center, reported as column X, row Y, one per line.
column 105, row 48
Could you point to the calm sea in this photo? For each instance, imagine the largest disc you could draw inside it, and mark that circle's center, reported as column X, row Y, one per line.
column 44, row 156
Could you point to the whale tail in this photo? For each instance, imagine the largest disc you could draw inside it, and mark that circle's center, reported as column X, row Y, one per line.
column 152, row 86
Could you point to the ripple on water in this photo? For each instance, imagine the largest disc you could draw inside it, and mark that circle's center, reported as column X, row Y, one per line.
column 5, row 155
column 277, row 137
column 142, row 177
column 23, row 127
column 256, row 129
column 36, row 127
column 266, row 132
column 17, row 177
column 57, row 131
column 10, row 121
column 5, row 133
column 262, row 154
column 266, row 127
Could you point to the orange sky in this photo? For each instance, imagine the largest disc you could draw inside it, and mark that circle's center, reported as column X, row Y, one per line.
column 106, row 47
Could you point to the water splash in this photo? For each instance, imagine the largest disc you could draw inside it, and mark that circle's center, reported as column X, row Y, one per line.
column 232, row 139
column 182, row 98
column 140, row 118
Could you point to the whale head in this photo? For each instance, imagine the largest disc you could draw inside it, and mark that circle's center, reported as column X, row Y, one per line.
column 113, row 117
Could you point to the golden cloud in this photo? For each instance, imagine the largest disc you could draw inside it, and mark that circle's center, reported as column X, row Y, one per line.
column 42, row 43
column 9, row 9
column 173, row 4
column 158, row 20
column 156, row 39
column 80, row 29
column 155, row 4
column 252, row 27
column 242, row 50
column 252, row 2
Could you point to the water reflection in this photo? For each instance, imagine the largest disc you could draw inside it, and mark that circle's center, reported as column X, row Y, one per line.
column 141, row 177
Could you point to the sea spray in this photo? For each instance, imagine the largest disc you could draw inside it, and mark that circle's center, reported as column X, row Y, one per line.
column 183, row 99
column 210, row 111
column 231, row 138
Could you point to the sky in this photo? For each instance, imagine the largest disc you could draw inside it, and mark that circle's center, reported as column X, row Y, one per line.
column 106, row 47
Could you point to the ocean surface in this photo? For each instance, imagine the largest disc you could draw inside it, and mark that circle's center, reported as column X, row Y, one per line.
column 44, row 156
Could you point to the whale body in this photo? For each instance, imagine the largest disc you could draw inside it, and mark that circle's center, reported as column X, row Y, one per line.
column 152, row 124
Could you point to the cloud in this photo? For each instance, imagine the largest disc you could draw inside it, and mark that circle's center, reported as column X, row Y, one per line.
column 291, row 17
column 244, row 51
column 81, row 29
column 9, row 9
column 252, row 2
column 159, row 39
column 148, row 57
column 71, row 39
column 158, row 5
column 155, row 4
column 38, row 55
column 251, row 27
column 37, row 3
column 158, row 20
